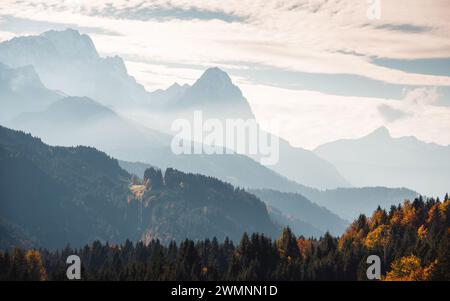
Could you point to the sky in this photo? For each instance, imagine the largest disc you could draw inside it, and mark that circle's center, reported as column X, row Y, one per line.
column 326, row 69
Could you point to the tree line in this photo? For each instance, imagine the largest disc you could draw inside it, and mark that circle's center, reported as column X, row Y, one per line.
column 411, row 239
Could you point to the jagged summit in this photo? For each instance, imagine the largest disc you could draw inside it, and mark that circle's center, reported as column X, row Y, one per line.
column 215, row 78
column 214, row 86
column 67, row 44
column 71, row 43
column 68, row 61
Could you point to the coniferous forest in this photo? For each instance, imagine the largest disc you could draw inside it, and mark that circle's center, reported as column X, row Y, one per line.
column 411, row 239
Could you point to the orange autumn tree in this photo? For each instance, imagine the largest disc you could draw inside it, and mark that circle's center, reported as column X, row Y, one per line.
column 35, row 268
column 409, row 268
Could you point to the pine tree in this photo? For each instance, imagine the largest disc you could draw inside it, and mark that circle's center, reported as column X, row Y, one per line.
column 287, row 245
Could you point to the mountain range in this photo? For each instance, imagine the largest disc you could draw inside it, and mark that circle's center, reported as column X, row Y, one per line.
column 379, row 159
column 297, row 207
column 69, row 62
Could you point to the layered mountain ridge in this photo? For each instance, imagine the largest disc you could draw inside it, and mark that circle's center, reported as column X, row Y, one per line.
column 382, row 160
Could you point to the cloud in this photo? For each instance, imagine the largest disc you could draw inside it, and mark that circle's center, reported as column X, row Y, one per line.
column 422, row 96
column 391, row 114
column 309, row 119
column 413, row 102
column 315, row 36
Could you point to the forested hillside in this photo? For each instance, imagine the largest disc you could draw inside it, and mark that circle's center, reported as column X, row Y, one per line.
column 179, row 206
column 54, row 196
column 412, row 241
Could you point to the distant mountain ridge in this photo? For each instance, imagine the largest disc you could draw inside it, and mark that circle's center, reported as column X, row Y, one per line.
column 299, row 207
column 379, row 159
column 21, row 90
column 75, row 121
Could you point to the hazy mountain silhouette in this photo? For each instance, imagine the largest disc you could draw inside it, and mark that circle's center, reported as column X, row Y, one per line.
column 68, row 61
column 379, row 159
column 81, row 121
column 297, row 226
column 214, row 93
column 349, row 203
column 300, row 208
column 21, row 90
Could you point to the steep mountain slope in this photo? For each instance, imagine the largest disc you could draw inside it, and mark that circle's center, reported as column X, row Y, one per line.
column 297, row 206
column 52, row 196
column 379, row 159
column 21, row 90
column 68, row 61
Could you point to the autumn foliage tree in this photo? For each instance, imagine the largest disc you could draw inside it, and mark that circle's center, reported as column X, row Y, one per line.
column 409, row 268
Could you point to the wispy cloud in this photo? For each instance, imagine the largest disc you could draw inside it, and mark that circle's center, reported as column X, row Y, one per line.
column 309, row 36
column 413, row 103
column 309, row 118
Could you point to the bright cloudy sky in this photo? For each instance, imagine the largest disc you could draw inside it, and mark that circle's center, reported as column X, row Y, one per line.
column 322, row 67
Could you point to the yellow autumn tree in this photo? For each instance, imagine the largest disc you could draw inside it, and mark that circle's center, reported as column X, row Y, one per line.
column 409, row 268
column 409, row 216
column 379, row 237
